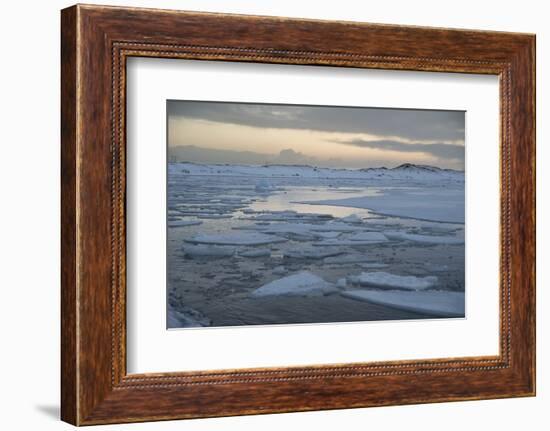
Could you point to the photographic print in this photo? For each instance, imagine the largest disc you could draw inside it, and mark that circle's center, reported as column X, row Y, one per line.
column 289, row 214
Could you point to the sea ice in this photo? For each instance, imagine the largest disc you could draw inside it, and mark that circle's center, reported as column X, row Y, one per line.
column 369, row 236
column 442, row 204
column 436, row 267
column 373, row 265
column 435, row 303
column 327, row 235
column 427, row 239
column 335, row 227
column 279, row 270
column 204, row 250
column 182, row 223
column 186, row 317
column 347, row 259
column 263, row 186
column 344, row 242
column 310, row 253
column 303, row 283
column 256, row 252
column 341, row 283
column 387, row 280
column 352, row 218
column 247, row 238
column 214, row 216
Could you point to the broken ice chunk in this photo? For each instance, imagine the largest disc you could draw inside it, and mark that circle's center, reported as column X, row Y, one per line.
column 203, row 250
column 428, row 239
column 279, row 270
column 186, row 317
column 182, row 223
column 263, row 186
column 310, row 253
column 341, row 283
column 435, row 303
column 247, row 238
column 348, row 259
column 256, row 252
column 303, row 283
column 387, row 280
column 352, row 218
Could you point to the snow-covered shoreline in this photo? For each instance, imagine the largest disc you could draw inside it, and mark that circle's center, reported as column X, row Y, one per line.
column 403, row 172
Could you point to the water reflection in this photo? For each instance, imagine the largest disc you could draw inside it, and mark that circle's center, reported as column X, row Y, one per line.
column 291, row 198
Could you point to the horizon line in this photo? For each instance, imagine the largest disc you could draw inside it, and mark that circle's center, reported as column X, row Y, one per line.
column 317, row 167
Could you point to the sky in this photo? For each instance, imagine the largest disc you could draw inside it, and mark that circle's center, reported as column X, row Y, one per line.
column 324, row 136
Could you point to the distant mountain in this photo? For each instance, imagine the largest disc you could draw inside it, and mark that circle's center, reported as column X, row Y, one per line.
column 287, row 157
column 411, row 167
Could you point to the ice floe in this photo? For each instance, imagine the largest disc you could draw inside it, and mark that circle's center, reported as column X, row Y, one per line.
column 182, row 223
column 352, row 218
column 345, row 242
column 427, row 239
column 263, row 186
column 373, row 265
column 279, row 270
column 327, row 235
column 342, row 283
column 204, row 250
column 303, row 283
column 186, row 317
column 442, row 204
column 369, row 236
column 256, row 252
column 387, row 280
column 310, row 253
column 348, row 259
column 434, row 303
column 247, row 238
column 214, row 216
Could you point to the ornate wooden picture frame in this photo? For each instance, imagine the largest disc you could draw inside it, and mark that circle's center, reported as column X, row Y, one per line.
column 96, row 41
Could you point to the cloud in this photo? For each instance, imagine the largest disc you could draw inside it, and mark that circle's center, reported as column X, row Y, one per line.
column 420, row 125
column 291, row 157
column 192, row 153
column 439, row 150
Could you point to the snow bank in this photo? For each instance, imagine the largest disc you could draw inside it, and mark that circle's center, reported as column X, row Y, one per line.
column 435, row 303
column 247, row 238
column 301, row 284
column 407, row 173
column 387, row 280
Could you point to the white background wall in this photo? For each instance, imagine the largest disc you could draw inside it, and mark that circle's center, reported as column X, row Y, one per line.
column 29, row 215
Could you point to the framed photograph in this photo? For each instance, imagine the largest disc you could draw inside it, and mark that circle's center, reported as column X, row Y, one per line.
column 263, row 214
